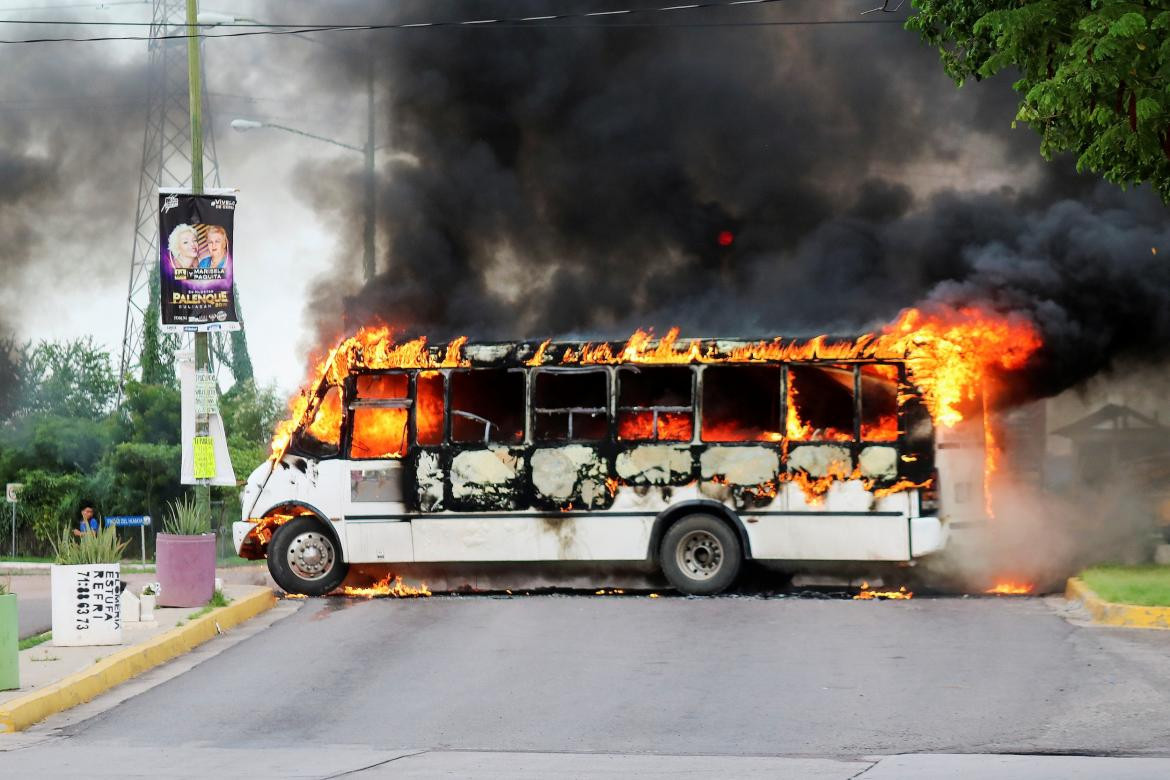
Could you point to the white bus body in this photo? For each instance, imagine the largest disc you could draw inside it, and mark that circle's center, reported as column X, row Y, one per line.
column 607, row 499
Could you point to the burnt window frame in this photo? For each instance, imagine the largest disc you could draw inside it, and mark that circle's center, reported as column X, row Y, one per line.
column 351, row 402
column 449, row 411
column 445, row 425
column 301, row 430
column 781, row 402
column 856, row 401
column 902, row 383
column 607, row 410
column 618, row 408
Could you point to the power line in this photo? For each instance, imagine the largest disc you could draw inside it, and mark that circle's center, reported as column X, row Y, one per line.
column 94, row 5
column 551, row 21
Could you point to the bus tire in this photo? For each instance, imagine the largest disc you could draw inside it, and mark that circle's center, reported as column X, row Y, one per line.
column 304, row 557
column 700, row 555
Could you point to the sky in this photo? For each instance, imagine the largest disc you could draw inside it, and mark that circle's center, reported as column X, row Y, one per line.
column 560, row 181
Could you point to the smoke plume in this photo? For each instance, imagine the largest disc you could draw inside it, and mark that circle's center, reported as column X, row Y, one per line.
column 576, row 180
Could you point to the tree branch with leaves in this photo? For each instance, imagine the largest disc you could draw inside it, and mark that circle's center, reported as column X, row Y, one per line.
column 1094, row 76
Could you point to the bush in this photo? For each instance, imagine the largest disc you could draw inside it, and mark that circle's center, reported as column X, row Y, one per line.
column 99, row 547
column 50, row 503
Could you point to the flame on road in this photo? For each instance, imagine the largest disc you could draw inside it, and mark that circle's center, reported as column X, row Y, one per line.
column 882, row 595
column 1010, row 588
column 390, row 585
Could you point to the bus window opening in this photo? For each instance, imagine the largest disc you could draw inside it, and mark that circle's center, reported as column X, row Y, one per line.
column 570, row 406
column 428, row 408
column 655, row 404
column 379, row 416
column 820, row 403
column 322, row 437
column 741, row 403
column 487, row 406
column 879, row 402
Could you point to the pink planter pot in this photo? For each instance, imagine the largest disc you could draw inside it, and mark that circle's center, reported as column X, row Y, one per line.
column 186, row 569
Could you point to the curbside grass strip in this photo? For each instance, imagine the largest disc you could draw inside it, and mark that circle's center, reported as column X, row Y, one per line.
column 1111, row 614
column 18, row 714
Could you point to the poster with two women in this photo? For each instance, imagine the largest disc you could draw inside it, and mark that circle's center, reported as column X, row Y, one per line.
column 195, row 260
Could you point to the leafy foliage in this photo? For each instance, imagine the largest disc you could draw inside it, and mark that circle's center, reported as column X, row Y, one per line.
column 61, row 436
column 98, row 547
column 1094, row 77
column 68, row 379
column 50, row 503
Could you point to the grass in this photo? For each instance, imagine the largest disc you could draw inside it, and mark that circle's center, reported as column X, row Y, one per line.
column 1146, row 586
column 33, row 641
column 218, row 599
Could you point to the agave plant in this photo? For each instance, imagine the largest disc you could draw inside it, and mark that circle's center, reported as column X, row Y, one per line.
column 96, row 547
column 188, row 518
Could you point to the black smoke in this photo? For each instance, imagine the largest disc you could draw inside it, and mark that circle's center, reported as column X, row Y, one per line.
column 575, row 179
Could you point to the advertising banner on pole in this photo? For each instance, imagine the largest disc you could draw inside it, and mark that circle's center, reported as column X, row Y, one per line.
column 196, row 267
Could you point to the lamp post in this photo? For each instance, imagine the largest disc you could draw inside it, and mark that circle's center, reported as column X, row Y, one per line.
column 244, row 125
column 210, row 18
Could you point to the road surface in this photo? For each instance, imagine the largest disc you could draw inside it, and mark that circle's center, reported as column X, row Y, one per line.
column 825, row 682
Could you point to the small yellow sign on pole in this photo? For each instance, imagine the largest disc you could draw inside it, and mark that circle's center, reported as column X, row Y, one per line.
column 204, row 456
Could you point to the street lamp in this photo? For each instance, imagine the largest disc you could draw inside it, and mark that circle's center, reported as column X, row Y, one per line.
column 211, row 19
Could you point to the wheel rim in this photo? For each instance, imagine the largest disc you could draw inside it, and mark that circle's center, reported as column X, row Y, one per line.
column 699, row 555
column 311, row 555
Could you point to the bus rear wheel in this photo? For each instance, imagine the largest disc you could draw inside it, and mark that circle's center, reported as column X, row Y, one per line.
column 304, row 557
column 700, row 555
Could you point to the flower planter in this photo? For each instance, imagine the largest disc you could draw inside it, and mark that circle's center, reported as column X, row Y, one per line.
column 146, row 607
column 87, row 604
column 186, row 569
column 9, row 644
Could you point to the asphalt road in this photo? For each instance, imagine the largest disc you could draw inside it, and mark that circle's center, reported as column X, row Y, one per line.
column 819, row 680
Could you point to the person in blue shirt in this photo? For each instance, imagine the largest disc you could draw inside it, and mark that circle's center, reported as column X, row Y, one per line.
column 88, row 523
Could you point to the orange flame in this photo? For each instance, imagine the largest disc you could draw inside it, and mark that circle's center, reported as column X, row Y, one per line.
column 1011, row 588
column 882, row 595
column 372, row 348
column 947, row 353
column 390, row 585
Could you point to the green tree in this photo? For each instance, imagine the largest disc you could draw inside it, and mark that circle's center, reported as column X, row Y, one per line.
column 151, row 414
column 250, row 415
column 11, row 360
column 67, row 378
column 49, row 503
column 140, row 478
column 1094, row 76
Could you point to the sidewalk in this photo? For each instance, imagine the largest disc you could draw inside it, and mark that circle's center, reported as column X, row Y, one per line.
column 54, row 679
column 30, row 583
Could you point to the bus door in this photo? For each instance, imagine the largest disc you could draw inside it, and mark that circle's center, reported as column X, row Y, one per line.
column 373, row 495
column 960, row 461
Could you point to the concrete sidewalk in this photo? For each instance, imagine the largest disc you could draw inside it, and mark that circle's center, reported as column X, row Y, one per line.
column 54, row 678
column 30, row 583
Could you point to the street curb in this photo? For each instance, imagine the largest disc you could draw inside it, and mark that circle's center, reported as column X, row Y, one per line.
column 18, row 714
column 1110, row 614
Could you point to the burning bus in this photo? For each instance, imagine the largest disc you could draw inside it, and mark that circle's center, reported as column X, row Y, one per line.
column 693, row 454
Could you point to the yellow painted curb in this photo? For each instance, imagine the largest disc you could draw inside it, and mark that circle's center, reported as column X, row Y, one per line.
column 1111, row 614
column 19, row 714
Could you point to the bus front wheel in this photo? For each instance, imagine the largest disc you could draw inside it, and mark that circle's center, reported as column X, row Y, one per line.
column 700, row 555
column 304, row 557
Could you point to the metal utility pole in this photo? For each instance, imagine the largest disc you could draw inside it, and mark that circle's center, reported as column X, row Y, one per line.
column 195, row 101
column 166, row 162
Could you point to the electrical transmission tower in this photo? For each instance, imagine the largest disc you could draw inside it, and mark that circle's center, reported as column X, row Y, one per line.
column 166, row 162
